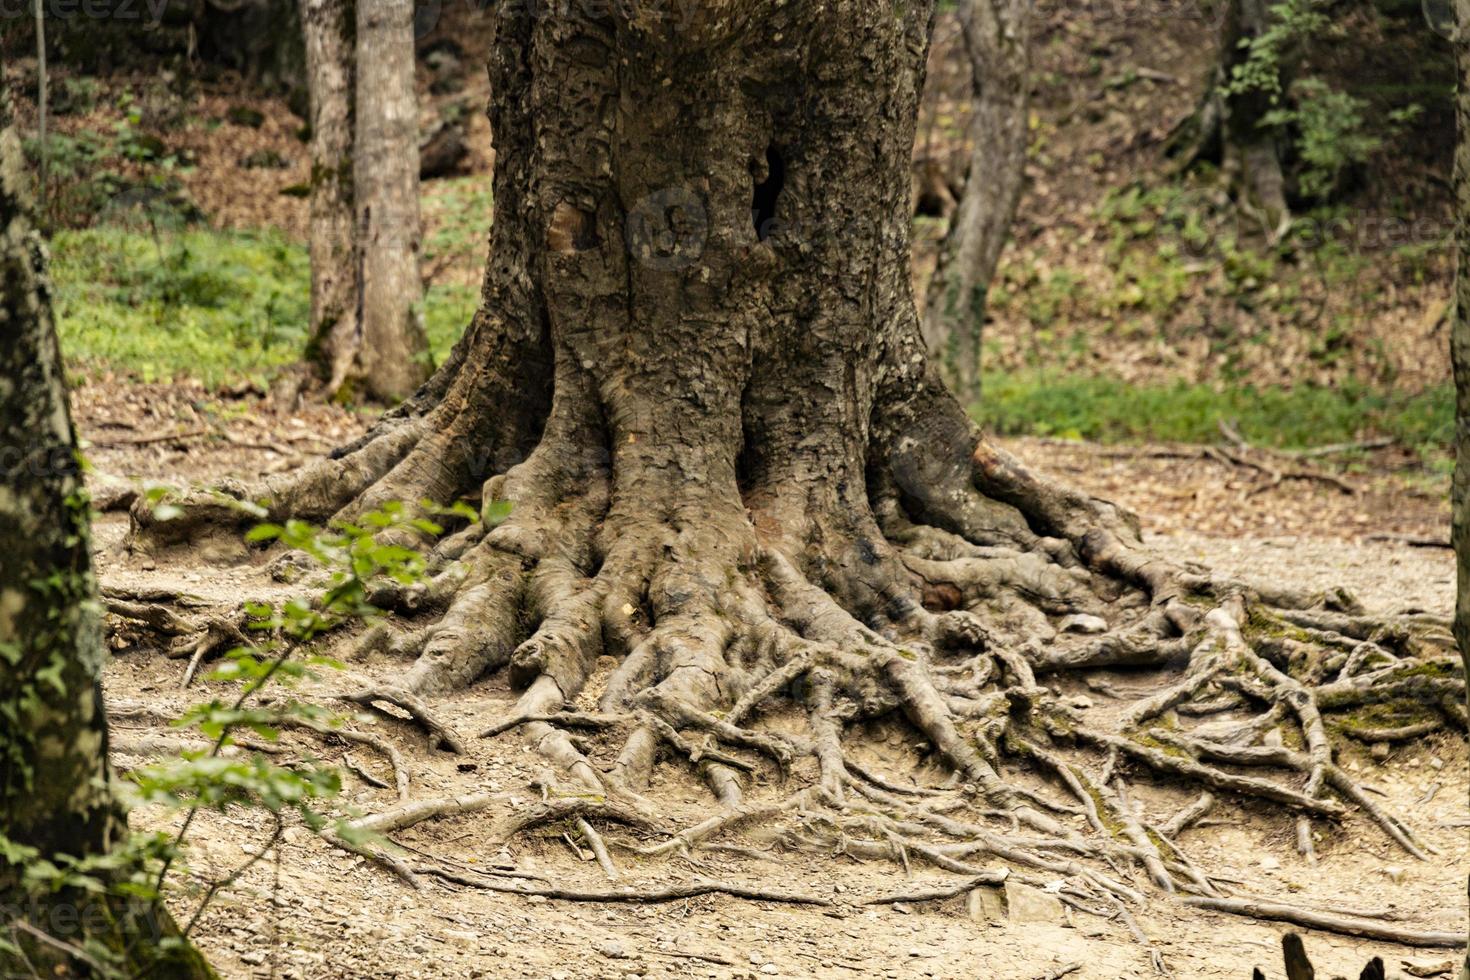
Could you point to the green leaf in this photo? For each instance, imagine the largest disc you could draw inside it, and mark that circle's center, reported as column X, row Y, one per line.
column 496, row 512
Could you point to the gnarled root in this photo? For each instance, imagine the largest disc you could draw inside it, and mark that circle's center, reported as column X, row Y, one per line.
column 713, row 631
column 748, row 635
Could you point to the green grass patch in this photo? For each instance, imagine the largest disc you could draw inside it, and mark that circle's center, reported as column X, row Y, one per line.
column 217, row 307
column 1109, row 410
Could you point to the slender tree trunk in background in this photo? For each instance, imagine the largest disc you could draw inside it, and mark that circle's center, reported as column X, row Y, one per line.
column 393, row 352
column 55, row 783
column 1460, row 350
column 328, row 27
column 996, row 37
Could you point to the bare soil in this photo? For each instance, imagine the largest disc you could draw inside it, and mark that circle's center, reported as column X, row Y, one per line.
column 311, row 911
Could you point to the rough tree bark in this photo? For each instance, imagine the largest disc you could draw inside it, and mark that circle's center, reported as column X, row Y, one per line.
column 393, row 349
column 697, row 373
column 55, row 784
column 997, row 40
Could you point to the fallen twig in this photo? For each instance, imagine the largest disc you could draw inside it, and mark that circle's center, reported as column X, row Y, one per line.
column 1329, row 921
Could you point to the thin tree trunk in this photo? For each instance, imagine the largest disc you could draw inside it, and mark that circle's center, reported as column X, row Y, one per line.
column 1460, row 351
column 996, row 36
column 328, row 27
column 393, row 352
column 55, row 784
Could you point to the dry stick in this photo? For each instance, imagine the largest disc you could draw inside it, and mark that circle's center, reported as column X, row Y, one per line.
column 380, row 858
column 1189, row 816
column 689, row 837
column 780, row 677
column 439, row 733
column 361, row 773
column 1331, row 922
column 150, row 440
column 564, row 808
column 395, row 758
column 938, row 892
column 401, row 817
column 628, row 893
column 599, row 848
column 1152, row 860
column 1060, row 971
column 572, row 719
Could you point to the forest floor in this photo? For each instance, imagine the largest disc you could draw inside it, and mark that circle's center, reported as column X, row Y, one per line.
column 310, row 911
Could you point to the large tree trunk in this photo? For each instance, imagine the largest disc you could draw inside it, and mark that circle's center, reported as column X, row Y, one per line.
column 697, row 375
column 55, row 785
column 996, row 35
column 393, row 350
column 328, row 27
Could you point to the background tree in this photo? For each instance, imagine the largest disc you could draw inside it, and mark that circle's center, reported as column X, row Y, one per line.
column 1289, row 125
column 996, row 41
column 392, row 352
column 329, row 30
column 59, row 817
column 367, row 334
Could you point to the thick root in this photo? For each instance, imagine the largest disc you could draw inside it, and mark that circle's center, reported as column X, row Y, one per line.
column 720, row 622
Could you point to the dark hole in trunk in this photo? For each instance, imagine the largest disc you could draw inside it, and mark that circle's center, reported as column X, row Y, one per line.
column 763, row 203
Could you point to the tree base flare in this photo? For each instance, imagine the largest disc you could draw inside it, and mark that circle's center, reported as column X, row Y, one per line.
column 752, row 659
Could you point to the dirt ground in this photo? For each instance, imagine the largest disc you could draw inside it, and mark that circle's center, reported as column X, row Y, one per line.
column 310, row 911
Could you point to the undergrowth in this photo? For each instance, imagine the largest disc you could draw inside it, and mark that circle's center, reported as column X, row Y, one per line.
column 216, row 307
column 1110, row 410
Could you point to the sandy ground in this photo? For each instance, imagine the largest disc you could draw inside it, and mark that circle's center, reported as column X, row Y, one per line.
column 309, row 911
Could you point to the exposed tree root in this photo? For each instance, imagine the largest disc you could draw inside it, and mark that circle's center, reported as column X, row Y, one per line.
column 945, row 610
column 1348, row 925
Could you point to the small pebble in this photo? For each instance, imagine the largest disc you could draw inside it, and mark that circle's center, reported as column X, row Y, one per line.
column 1269, row 863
